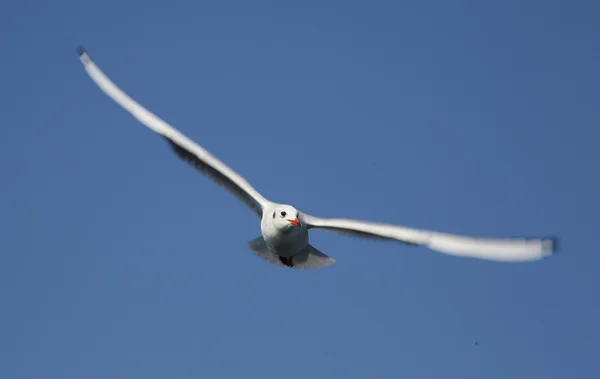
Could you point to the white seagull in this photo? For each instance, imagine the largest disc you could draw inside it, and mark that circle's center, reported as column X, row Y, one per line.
column 284, row 230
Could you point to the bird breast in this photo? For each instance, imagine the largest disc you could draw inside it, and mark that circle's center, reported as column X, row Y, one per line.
column 285, row 242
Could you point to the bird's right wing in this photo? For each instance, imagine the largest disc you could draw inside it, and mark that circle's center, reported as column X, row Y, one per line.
column 495, row 249
column 185, row 148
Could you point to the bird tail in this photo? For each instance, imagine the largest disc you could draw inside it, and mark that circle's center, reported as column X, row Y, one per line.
column 308, row 259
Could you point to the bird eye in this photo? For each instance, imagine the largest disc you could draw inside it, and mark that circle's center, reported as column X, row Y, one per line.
column 283, row 213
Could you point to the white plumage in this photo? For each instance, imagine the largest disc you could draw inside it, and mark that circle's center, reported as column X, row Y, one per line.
column 284, row 239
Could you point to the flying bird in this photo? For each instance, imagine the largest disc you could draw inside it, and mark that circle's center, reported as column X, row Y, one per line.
column 284, row 238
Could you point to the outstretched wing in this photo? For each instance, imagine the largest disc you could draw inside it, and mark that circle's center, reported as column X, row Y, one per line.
column 185, row 148
column 495, row 249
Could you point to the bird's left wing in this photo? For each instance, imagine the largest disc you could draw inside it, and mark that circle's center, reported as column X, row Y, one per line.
column 495, row 249
column 185, row 148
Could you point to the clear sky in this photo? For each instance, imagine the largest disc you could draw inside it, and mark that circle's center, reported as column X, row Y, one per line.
column 120, row 261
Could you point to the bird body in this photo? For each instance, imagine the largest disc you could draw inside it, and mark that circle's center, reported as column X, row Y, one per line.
column 284, row 236
column 280, row 234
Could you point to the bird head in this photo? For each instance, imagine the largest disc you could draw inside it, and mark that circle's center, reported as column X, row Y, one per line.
column 285, row 217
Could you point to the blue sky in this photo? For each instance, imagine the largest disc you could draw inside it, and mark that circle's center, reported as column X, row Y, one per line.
column 120, row 261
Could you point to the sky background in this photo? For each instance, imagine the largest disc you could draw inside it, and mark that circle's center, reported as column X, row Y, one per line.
column 120, row 261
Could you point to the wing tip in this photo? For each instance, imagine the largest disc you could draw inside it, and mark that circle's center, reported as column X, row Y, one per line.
column 550, row 246
column 547, row 246
column 554, row 245
column 80, row 50
column 83, row 55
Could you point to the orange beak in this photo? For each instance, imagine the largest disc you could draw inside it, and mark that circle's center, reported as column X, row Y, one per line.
column 295, row 222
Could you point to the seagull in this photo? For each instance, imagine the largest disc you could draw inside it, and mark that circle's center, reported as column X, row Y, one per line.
column 284, row 238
